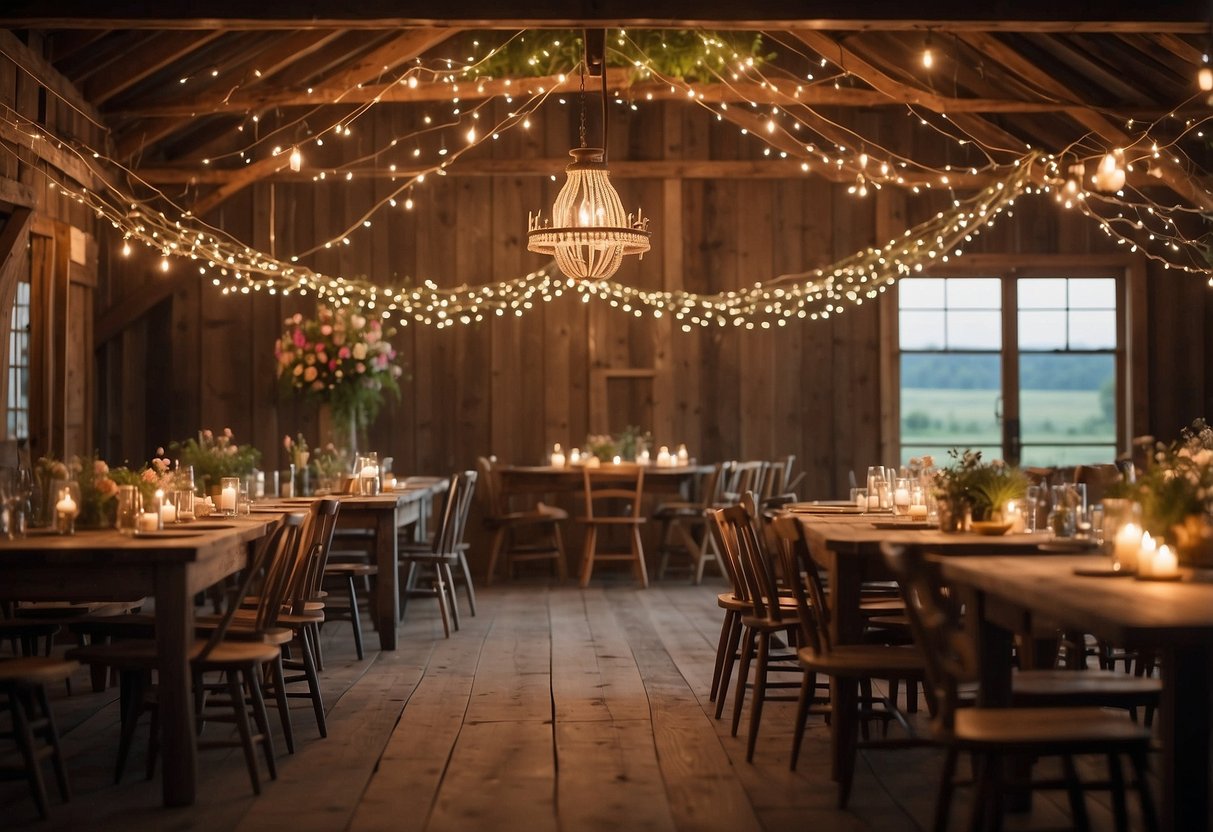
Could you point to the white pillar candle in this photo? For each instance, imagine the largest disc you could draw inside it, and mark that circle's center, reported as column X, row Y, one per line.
column 168, row 512
column 66, row 505
column 227, row 499
column 556, row 459
column 643, row 457
column 683, row 457
column 917, row 511
column 663, row 457
column 1145, row 555
column 148, row 521
column 1126, row 545
column 1166, row 564
column 616, row 460
column 575, row 456
column 901, row 497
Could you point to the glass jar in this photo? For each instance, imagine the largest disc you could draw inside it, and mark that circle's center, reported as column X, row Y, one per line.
column 368, row 474
column 1122, row 532
column 1065, row 509
column 229, row 493
column 130, row 506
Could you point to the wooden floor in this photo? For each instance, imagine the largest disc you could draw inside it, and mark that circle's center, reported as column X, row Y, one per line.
column 553, row 709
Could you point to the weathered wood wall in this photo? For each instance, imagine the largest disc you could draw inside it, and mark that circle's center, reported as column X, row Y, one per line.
column 55, row 249
column 513, row 386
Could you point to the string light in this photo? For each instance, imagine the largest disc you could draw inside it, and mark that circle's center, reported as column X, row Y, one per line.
column 928, row 56
column 296, row 160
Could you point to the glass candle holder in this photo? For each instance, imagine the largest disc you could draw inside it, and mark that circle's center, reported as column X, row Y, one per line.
column 229, row 493
column 901, row 496
column 66, row 506
column 368, row 474
column 130, row 506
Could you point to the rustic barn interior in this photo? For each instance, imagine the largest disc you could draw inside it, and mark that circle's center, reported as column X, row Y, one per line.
column 178, row 180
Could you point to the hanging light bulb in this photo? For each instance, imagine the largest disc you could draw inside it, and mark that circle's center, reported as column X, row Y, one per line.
column 928, row 56
column 164, row 263
column 589, row 233
column 126, row 248
column 296, row 160
column 1205, row 79
column 1110, row 176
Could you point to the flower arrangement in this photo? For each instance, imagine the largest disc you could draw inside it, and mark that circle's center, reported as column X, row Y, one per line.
column 95, row 481
column 985, row 487
column 1176, row 491
column 216, row 456
column 339, row 357
column 330, row 464
column 296, row 450
column 627, row 444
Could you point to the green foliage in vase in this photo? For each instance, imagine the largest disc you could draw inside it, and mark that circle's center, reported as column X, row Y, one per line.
column 986, row 487
column 1178, row 485
column 689, row 54
column 216, row 456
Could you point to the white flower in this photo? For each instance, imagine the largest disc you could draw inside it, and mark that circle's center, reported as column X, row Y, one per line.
column 360, row 351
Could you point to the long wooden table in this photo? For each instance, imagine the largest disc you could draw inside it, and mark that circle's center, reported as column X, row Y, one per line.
column 171, row 567
column 381, row 517
column 848, row 548
column 1173, row 619
column 543, row 479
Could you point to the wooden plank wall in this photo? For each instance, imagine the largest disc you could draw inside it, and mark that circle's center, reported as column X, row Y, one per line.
column 513, row 386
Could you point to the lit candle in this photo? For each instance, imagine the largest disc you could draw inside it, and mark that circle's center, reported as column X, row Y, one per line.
column 663, row 457
column 227, row 499
column 683, row 457
column 901, row 499
column 575, row 456
column 66, row 505
column 1126, row 545
column 557, row 457
column 1145, row 555
column 643, row 457
column 616, row 460
column 1166, row 564
column 918, row 511
column 148, row 521
column 1015, row 515
column 168, row 512
column 873, row 502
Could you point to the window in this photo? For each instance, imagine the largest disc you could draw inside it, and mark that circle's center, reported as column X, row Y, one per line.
column 18, row 365
column 1026, row 368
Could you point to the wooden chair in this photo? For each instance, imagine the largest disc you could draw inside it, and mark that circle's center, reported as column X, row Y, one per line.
column 612, row 501
column 765, row 618
column 850, row 667
column 687, row 522
column 743, row 477
column 445, row 551
column 240, row 661
column 993, row 734
column 533, row 534
column 23, row 684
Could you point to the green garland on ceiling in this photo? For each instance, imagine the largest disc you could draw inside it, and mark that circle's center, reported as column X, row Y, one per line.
column 689, row 54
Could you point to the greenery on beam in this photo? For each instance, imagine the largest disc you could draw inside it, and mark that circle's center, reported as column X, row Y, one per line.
column 689, row 54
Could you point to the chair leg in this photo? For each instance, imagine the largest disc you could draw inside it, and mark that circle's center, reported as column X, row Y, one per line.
column 313, row 684
column 467, row 582
column 1120, row 811
column 943, row 799
column 562, row 569
column 808, row 690
column 440, row 589
column 240, row 711
column 743, row 675
column 642, row 572
column 846, row 727
column 1149, row 815
column 730, row 658
column 494, row 551
column 760, row 693
column 1078, row 806
column 262, row 718
column 314, row 630
column 725, row 626
column 25, row 741
column 355, row 616
column 284, row 707
column 52, row 738
column 131, row 685
column 407, row 586
column 448, row 578
column 587, row 557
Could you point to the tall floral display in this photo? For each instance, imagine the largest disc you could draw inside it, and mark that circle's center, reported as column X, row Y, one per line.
column 342, row 359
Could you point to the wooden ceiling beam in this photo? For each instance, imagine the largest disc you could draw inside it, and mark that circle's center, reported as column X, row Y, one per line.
column 1090, row 70
column 60, row 158
column 1179, row 47
column 244, row 101
column 1173, row 175
column 988, row 134
column 163, row 51
column 69, row 42
column 240, row 180
column 996, row 15
column 250, row 70
column 45, row 74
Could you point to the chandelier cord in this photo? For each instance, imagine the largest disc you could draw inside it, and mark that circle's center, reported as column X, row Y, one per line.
column 602, row 69
column 581, row 94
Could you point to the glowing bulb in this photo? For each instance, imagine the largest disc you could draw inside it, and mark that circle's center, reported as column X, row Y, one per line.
column 164, row 264
column 1205, row 79
column 928, row 58
column 126, row 249
column 472, row 135
column 296, row 160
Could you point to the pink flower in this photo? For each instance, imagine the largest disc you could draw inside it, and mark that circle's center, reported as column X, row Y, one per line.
column 360, row 367
column 286, row 442
column 227, row 433
column 100, row 468
column 326, row 330
column 344, row 352
column 297, row 318
column 298, row 338
column 333, row 364
column 317, row 385
column 309, row 374
column 149, row 475
column 321, row 357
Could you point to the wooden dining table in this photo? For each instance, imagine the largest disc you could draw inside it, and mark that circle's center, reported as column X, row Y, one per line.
column 847, row 547
column 1172, row 619
column 548, row 479
column 170, row 567
column 378, row 519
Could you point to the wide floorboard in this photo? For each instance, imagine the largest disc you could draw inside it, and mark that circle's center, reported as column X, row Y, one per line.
column 553, row 709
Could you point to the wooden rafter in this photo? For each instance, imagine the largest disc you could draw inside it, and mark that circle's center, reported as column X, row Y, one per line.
column 240, row 180
column 621, row 86
column 161, row 52
column 247, row 71
column 1020, row 15
column 44, row 73
column 370, row 67
column 1174, row 176
column 51, row 153
column 989, row 134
